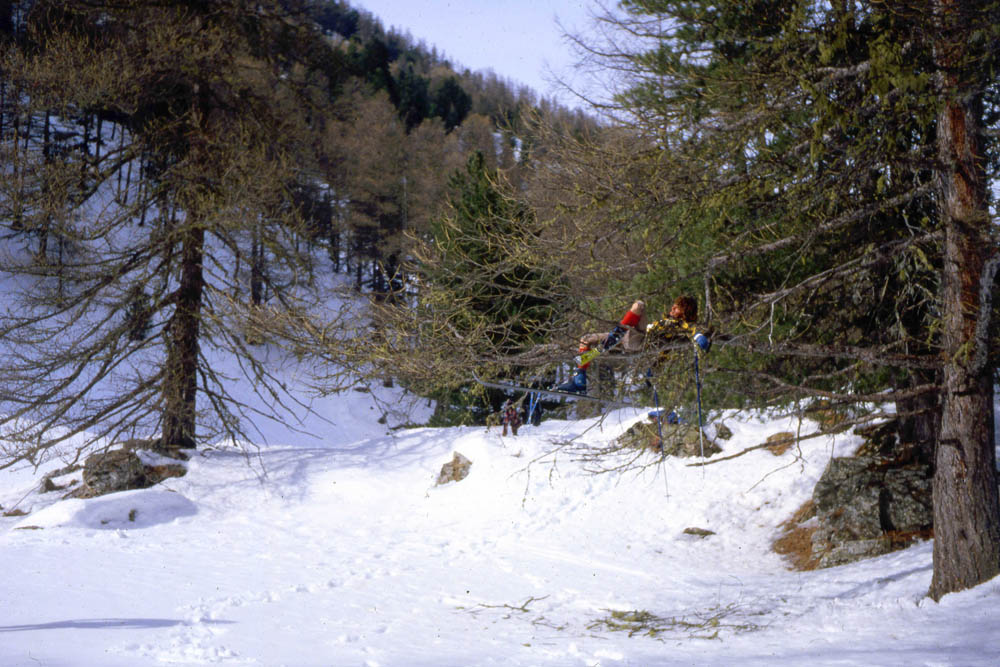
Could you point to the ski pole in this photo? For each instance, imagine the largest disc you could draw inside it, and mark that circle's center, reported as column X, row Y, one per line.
column 656, row 403
column 533, row 400
column 697, row 383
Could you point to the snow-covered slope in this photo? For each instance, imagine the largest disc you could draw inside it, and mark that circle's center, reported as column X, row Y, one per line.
column 339, row 549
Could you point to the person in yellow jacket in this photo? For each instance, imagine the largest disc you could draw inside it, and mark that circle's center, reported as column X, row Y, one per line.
column 631, row 332
column 680, row 323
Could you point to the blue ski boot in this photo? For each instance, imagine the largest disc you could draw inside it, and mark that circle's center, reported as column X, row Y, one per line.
column 576, row 384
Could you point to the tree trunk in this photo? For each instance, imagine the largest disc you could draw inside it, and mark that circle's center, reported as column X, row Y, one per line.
column 180, row 387
column 256, row 270
column 43, row 228
column 966, row 509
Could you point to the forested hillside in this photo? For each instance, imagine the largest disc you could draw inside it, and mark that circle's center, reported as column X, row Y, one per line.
column 189, row 176
column 397, row 167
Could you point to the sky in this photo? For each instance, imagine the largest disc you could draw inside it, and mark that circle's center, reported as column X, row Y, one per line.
column 520, row 40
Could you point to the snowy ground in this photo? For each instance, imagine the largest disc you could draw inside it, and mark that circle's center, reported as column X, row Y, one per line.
column 340, row 550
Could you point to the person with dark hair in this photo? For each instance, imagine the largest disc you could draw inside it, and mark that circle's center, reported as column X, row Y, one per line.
column 680, row 323
column 631, row 332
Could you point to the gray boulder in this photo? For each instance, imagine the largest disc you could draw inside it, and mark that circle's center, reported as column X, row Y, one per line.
column 866, row 507
column 122, row 470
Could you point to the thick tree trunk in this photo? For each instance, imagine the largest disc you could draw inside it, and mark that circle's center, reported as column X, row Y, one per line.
column 180, row 387
column 966, row 509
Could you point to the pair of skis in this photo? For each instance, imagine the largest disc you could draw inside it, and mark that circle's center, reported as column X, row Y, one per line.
column 549, row 392
column 588, row 356
column 614, row 337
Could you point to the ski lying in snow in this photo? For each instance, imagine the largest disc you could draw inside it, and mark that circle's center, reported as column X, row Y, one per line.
column 550, row 392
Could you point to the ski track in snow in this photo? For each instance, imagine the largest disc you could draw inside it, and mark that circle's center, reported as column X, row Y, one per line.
column 350, row 555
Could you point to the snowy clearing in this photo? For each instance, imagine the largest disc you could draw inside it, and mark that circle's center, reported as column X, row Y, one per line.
column 340, row 550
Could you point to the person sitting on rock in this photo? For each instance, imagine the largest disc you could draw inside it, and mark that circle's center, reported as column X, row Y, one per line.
column 680, row 323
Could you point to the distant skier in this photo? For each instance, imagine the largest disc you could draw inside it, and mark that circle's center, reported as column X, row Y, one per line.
column 511, row 417
column 631, row 333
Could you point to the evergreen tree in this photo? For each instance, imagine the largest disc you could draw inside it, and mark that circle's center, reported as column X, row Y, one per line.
column 481, row 298
column 414, row 97
column 477, row 244
column 450, row 102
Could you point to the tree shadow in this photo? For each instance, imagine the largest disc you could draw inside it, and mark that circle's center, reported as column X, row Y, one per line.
column 105, row 624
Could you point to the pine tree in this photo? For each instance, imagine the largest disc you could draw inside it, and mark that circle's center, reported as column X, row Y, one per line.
column 481, row 297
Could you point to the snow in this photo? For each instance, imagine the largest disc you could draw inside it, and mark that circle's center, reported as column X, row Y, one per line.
column 332, row 545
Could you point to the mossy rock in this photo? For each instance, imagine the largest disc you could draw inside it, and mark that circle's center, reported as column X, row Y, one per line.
column 678, row 439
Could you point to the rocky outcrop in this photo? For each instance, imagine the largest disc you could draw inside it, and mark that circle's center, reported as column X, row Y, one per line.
column 864, row 505
column 867, row 508
column 681, row 439
column 455, row 470
column 122, row 470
